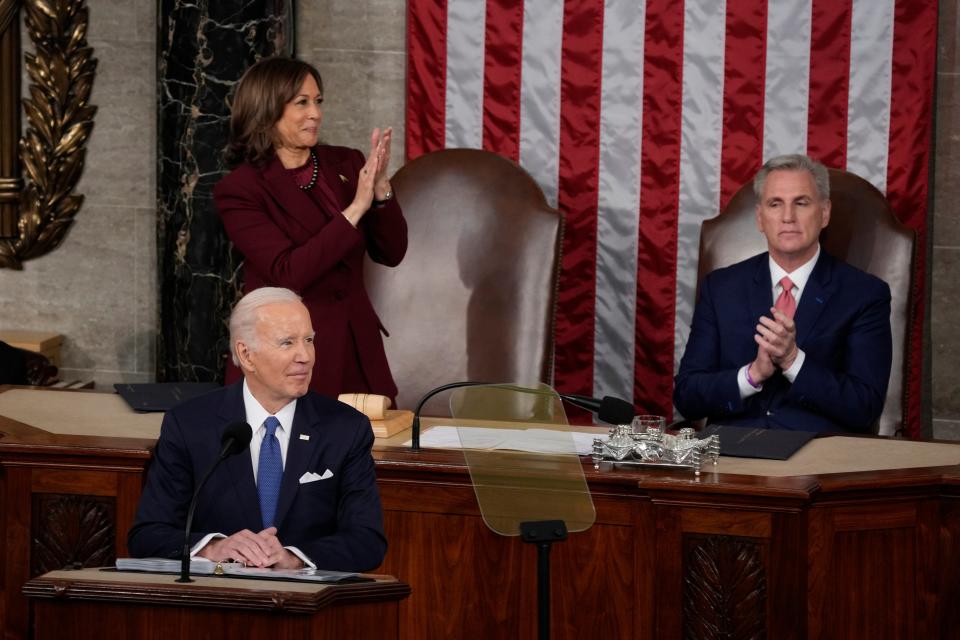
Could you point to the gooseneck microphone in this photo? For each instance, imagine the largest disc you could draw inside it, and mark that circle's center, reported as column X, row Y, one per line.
column 236, row 438
column 610, row 409
column 415, row 443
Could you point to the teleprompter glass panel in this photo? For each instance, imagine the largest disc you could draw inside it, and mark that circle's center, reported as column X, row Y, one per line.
column 522, row 458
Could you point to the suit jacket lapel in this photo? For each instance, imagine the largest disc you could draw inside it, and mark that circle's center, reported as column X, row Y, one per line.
column 239, row 466
column 761, row 291
column 300, row 452
column 332, row 183
column 815, row 296
column 283, row 189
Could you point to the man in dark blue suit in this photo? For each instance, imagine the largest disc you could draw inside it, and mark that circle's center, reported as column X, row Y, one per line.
column 324, row 509
column 792, row 338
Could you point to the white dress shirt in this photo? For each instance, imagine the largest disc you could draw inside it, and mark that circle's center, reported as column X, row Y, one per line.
column 799, row 278
column 256, row 416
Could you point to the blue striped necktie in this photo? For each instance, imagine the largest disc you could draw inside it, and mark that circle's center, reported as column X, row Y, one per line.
column 269, row 472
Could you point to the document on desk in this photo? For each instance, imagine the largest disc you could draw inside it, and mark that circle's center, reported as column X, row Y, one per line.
column 530, row 440
column 204, row 567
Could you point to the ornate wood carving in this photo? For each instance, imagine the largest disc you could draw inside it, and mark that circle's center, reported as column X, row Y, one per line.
column 724, row 589
column 59, row 122
column 71, row 531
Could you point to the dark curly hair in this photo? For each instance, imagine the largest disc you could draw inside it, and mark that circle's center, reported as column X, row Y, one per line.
column 258, row 103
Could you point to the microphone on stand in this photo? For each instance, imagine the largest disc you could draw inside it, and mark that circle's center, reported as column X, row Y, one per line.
column 236, row 438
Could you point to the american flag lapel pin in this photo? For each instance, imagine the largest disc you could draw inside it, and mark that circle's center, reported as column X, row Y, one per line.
column 304, row 436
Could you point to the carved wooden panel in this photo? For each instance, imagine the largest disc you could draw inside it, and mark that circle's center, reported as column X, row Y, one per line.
column 71, row 531
column 724, row 589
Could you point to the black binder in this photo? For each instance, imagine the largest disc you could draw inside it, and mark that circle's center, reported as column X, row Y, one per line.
column 161, row 396
column 750, row 442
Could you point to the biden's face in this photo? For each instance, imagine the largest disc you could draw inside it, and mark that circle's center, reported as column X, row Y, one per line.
column 791, row 214
column 279, row 364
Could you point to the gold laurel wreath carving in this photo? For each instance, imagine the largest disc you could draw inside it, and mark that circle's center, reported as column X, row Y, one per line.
column 59, row 121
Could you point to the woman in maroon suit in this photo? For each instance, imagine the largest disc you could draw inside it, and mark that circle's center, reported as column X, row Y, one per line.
column 303, row 215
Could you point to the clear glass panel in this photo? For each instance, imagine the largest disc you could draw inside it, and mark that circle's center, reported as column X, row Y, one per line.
column 521, row 455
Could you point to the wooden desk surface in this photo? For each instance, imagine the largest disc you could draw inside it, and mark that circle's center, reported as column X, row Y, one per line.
column 78, row 413
column 107, row 415
column 124, row 586
column 827, row 455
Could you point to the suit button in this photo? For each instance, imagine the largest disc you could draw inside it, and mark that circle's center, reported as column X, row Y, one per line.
column 339, row 295
column 769, row 413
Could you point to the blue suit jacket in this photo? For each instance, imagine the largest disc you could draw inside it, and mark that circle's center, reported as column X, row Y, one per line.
column 337, row 522
column 843, row 327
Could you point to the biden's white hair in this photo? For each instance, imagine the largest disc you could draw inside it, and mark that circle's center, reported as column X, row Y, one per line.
column 243, row 318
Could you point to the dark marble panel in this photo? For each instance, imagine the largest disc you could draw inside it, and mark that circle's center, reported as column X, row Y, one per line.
column 203, row 49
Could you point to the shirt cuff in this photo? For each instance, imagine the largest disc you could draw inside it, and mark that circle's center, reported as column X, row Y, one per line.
column 204, row 541
column 306, row 561
column 791, row 373
column 746, row 389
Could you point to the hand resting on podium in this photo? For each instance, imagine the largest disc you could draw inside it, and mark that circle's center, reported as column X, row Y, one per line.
column 262, row 549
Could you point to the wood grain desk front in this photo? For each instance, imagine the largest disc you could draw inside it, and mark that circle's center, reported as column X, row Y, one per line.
column 92, row 603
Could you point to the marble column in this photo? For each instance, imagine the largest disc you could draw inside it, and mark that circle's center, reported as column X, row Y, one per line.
column 203, row 49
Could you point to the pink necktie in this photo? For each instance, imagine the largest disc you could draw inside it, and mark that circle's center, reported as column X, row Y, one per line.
column 786, row 303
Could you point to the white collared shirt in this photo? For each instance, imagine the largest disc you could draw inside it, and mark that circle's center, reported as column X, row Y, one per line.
column 256, row 416
column 799, row 278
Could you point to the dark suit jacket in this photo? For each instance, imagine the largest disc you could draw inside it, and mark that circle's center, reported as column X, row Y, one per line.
column 337, row 522
column 843, row 327
column 288, row 241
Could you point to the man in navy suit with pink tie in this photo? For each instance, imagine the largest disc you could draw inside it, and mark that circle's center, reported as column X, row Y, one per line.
column 791, row 338
column 305, row 493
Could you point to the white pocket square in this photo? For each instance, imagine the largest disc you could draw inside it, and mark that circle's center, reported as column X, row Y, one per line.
column 310, row 476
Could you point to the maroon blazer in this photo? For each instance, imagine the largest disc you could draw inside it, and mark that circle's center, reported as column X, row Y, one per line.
column 288, row 241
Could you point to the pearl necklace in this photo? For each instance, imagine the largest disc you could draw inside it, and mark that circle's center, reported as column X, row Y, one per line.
column 314, row 175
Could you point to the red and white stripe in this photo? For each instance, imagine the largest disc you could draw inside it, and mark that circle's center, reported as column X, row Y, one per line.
column 641, row 119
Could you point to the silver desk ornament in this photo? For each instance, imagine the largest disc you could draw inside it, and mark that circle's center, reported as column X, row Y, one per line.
column 654, row 447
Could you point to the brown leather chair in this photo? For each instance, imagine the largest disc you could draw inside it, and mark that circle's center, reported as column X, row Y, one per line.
column 474, row 297
column 864, row 232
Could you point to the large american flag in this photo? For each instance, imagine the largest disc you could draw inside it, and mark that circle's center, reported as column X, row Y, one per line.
column 641, row 119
